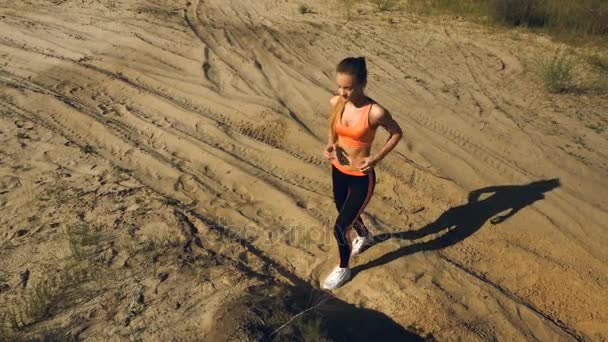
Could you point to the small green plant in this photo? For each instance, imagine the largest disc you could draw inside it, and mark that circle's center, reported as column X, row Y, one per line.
column 311, row 329
column 385, row 5
column 559, row 73
column 303, row 9
column 88, row 149
column 22, row 135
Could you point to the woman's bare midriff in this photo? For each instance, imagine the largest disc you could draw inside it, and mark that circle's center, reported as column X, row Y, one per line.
column 348, row 156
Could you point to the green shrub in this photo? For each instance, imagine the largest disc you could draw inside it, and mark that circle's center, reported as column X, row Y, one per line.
column 586, row 16
column 385, row 5
column 580, row 16
column 311, row 329
column 559, row 73
column 520, row 12
column 88, row 149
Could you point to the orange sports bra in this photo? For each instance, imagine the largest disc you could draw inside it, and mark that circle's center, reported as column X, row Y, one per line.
column 358, row 135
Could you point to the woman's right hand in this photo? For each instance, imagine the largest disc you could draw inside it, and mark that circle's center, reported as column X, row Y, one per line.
column 330, row 152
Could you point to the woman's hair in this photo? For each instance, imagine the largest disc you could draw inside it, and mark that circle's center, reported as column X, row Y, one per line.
column 354, row 66
column 357, row 68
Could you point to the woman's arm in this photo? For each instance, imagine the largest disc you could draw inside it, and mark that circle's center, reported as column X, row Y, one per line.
column 385, row 119
column 330, row 149
column 332, row 137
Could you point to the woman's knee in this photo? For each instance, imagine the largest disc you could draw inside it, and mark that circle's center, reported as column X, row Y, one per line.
column 340, row 229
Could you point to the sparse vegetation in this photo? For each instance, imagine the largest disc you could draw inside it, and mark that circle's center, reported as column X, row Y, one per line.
column 88, row 149
column 169, row 201
column 160, row 11
column 3, row 277
column 121, row 169
column 274, row 313
column 473, row 8
column 559, row 72
column 58, row 195
column 303, row 9
column 60, row 284
column 567, row 72
column 583, row 16
column 306, row 325
column 122, row 173
column 599, row 85
column 312, row 329
column 154, row 249
column 599, row 61
column 386, row 5
column 81, row 239
column 44, row 297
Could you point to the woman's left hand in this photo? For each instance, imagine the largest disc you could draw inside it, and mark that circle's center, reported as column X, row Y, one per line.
column 367, row 164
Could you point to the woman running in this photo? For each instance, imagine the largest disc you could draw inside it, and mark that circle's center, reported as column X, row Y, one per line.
column 354, row 118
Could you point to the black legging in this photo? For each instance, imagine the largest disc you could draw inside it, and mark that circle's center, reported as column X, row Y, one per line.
column 351, row 194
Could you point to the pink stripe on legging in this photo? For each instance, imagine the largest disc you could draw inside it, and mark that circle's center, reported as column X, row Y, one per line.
column 370, row 188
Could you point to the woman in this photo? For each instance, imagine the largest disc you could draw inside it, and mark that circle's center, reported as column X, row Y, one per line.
column 354, row 118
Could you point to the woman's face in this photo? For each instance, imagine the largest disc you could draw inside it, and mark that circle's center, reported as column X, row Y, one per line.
column 347, row 86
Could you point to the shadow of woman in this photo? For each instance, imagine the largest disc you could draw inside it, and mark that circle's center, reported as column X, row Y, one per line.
column 464, row 220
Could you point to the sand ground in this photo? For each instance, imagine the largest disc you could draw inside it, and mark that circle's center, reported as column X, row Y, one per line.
column 175, row 149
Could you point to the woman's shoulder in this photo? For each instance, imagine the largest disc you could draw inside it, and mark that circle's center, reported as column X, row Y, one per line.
column 375, row 106
column 377, row 111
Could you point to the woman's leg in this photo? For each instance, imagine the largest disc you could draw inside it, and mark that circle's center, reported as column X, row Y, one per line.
column 360, row 227
column 340, row 186
column 360, row 191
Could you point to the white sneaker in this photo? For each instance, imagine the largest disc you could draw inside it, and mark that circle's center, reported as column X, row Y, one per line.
column 359, row 244
column 336, row 278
